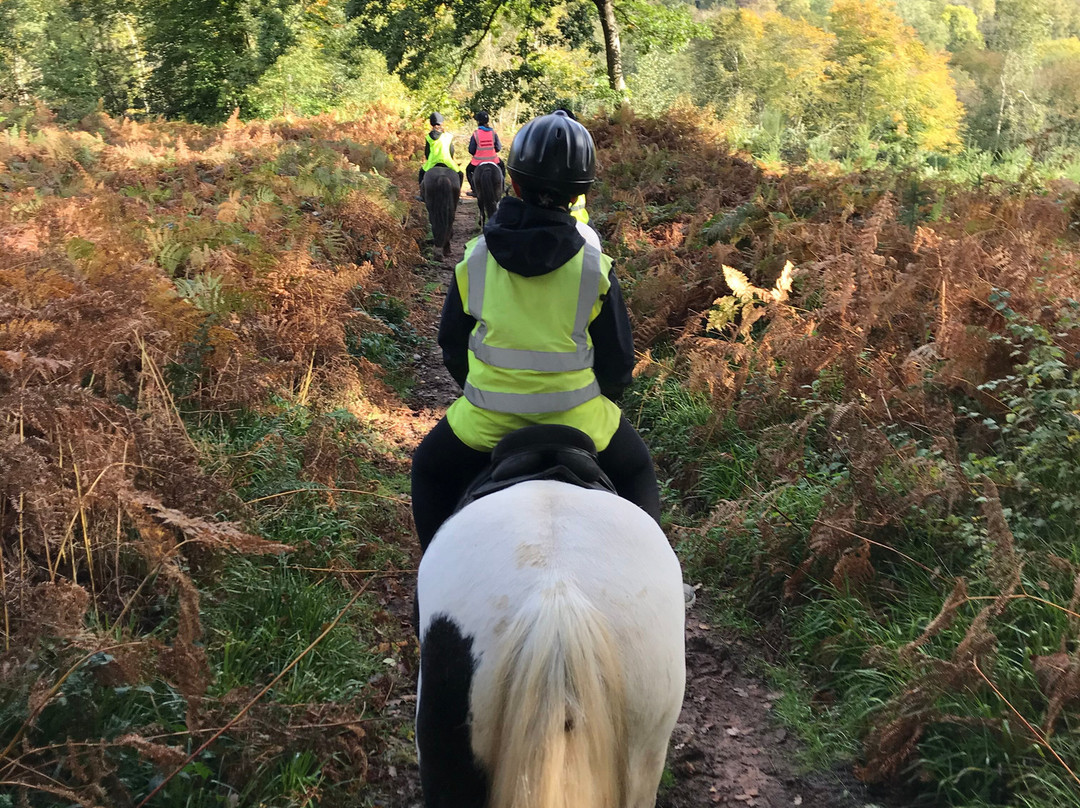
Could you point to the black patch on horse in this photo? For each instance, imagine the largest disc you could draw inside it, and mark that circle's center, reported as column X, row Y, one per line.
column 449, row 773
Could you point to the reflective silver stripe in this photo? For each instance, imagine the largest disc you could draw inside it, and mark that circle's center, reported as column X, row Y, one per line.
column 520, row 403
column 578, row 206
column 477, row 268
column 589, row 292
column 514, row 359
column 544, row 361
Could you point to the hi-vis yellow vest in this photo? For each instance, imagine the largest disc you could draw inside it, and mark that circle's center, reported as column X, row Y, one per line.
column 577, row 210
column 530, row 354
column 439, row 152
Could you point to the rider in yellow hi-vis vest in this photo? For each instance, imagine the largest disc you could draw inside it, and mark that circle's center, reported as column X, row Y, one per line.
column 535, row 331
column 577, row 210
column 438, row 150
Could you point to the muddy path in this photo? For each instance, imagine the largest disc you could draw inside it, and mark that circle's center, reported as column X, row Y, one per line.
column 727, row 749
column 434, row 389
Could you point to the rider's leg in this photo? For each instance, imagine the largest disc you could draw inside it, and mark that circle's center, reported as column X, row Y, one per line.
column 442, row 469
column 420, row 183
column 628, row 465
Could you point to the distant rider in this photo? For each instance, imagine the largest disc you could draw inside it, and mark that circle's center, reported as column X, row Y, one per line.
column 484, row 146
column 438, row 150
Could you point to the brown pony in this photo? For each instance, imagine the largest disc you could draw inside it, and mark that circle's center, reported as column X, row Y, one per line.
column 487, row 181
column 442, row 187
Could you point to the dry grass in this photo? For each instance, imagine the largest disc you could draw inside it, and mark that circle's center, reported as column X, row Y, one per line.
column 875, row 361
column 153, row 277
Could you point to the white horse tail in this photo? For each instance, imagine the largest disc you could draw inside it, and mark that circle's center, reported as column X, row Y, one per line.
column 558, row 707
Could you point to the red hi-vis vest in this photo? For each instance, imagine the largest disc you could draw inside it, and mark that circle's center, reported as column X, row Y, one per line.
column 485, row 147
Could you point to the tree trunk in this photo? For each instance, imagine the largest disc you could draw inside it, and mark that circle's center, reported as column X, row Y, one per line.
column 612, row 46
column 1001, row 112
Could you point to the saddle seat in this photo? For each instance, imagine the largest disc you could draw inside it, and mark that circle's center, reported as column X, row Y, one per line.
column 540, row 452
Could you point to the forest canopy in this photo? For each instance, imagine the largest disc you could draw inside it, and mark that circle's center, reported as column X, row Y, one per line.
column 789, row 80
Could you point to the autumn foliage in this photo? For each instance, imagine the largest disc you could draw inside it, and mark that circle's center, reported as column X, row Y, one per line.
column 890, row 370
column 153, row 277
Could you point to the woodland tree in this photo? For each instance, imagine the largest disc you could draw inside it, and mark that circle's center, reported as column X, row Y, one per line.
column 209, row 51
column 323, row 70
column 612, row 45
column 865, row 79
column 421, row 38
column 71, row 54
column 839, row 72
column 884, row 80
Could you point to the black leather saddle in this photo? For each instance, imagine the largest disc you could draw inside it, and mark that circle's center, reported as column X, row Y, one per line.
column 540, row 452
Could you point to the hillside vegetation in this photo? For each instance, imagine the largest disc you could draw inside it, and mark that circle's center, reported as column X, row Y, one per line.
column 864, row 392
column 196, row 475
column 961, row 86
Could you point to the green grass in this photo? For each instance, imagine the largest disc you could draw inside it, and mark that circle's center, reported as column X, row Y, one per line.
column 262, row 617
column 391, row 348
column 258, row 614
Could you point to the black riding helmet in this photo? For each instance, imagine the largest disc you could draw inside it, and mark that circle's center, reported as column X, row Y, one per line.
column 482, row 118
column 436, row 118
column 553, row 154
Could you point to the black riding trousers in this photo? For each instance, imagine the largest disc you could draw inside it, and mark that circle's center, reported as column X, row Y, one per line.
column 443, row 467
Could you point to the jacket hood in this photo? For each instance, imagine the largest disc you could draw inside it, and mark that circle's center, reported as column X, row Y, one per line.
column 529, row 240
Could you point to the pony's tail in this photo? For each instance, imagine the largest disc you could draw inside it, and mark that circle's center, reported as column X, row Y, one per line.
column 489, row 178
column 440, row 206
column 559, row 739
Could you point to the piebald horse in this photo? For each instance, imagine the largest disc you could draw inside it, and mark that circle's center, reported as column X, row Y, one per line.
column 551, row 655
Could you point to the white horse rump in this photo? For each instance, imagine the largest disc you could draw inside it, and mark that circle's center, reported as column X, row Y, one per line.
column 552, row 661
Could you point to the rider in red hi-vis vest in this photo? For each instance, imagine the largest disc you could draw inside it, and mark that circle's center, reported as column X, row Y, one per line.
column 484, row 146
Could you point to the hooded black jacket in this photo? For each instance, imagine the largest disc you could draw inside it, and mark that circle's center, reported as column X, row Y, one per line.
column 529, row 240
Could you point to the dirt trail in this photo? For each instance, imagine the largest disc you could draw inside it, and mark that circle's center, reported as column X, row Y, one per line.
column 726, row 749
column 434, row 388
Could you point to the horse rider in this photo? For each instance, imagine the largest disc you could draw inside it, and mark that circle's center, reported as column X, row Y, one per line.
column 535, row 331
column 484, row 146
column 438, row 150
